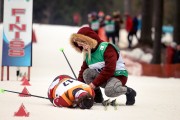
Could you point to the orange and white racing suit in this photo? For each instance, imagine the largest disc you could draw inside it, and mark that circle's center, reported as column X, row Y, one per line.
column 62, row 91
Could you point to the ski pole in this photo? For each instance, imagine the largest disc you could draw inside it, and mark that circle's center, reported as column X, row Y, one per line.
column 62, row 50
column 2, row 90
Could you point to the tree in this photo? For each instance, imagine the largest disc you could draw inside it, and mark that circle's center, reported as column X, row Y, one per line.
column 128, row 7
column 145, row 39
column 176, row 34
column 1, row 11
column 39, row 16
column 158, row 6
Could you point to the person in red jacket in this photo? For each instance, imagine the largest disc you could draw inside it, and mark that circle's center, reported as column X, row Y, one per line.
column 128, row 22
column 103, row 66
column 131, row 28
column 65, row 91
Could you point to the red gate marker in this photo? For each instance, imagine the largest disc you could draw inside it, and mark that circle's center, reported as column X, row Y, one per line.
column 26, row 82
column 22, row 112
column 25, row 93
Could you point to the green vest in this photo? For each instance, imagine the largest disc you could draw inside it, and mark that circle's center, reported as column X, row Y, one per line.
column 95, row 25
column 97, row 60
column 109, row 26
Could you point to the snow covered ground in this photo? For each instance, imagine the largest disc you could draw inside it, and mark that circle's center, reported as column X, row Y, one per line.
column 157, row 98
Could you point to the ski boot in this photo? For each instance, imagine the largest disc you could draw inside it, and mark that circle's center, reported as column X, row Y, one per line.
column 130, row 96
column 98, row 96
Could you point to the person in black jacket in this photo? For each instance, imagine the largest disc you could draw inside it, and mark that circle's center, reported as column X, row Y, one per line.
column 176, row 58
column 117, row 21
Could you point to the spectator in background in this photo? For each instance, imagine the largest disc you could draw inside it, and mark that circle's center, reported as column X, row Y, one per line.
column 131, row 27
column 139, row 21
column 101, row 18
column 110, row 28
column 89, row 18
column 170, row 50
column 128, row 24
column 176, row 58
column 118, row 22
column 76, row 19
column 94, row 23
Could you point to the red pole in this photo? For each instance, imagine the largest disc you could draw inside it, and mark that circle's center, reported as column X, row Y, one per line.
column 2, row 72
column 29, row 73
column 7, row 72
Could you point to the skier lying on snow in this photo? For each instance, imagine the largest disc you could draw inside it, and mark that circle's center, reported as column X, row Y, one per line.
column 65, row 91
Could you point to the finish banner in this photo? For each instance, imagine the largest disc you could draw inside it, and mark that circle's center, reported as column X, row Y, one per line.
column 17, row 33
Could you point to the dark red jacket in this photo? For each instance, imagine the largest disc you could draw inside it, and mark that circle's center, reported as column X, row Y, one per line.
column 110, row 57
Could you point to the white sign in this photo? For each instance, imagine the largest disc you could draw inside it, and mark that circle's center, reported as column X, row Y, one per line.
column 17, row 33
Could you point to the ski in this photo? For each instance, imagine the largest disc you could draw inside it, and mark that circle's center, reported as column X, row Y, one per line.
column 114, row 104
column 108, row 102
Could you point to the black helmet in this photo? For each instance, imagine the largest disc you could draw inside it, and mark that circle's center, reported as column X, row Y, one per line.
column 86, row 101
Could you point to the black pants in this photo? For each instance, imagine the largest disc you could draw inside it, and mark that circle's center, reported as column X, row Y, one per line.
column 112, row 36
column 130, row 37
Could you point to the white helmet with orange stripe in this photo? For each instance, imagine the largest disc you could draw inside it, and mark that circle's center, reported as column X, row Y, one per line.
column 54, row 83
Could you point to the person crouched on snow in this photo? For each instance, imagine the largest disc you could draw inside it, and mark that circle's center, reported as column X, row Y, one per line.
column 65, row 91
column 103, row 66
